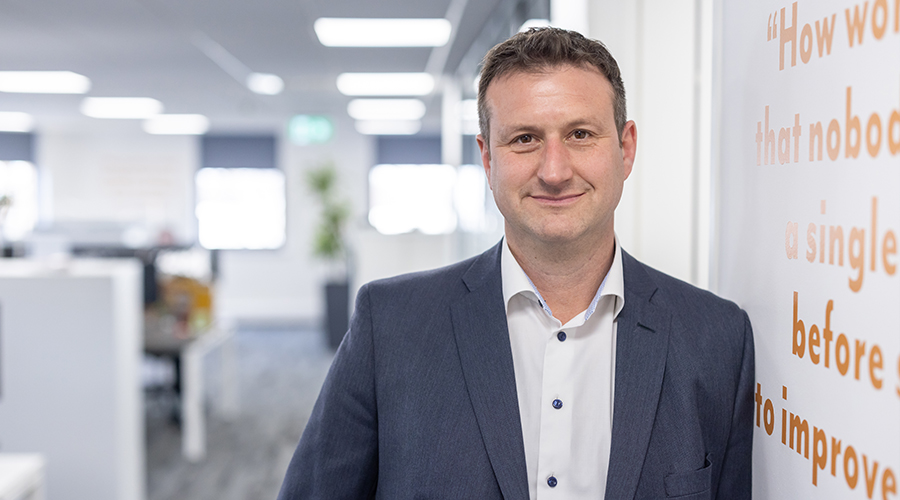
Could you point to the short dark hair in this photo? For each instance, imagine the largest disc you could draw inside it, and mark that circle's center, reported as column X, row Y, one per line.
column 541, row 49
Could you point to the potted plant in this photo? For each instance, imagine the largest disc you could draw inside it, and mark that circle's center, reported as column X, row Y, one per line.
column 330, row 245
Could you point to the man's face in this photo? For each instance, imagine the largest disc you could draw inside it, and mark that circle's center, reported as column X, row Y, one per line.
column 554, row 161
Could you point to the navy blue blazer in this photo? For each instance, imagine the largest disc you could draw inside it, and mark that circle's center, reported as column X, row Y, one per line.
column 420, row 401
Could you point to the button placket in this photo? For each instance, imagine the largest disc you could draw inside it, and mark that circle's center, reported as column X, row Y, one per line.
column 556, row 425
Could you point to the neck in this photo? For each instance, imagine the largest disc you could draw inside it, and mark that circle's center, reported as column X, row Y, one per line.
column 566, row 274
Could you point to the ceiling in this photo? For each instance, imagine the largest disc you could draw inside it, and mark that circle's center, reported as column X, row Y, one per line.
column 149, row 48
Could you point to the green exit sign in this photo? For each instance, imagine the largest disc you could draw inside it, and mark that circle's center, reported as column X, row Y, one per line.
column 310, row 129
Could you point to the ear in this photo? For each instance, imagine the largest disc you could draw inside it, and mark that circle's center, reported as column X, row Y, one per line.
column 629, row 146
column 485, row 150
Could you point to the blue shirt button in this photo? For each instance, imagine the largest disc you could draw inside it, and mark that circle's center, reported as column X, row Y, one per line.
column 551, row 482
column 561, row 336
column 557, row 403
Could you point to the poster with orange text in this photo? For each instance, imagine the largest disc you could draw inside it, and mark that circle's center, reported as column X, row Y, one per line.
column 809, row 221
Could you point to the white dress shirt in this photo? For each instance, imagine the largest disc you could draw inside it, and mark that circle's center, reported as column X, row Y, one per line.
column 565, row 378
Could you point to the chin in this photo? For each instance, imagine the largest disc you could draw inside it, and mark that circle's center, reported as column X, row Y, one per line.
column 559, row 236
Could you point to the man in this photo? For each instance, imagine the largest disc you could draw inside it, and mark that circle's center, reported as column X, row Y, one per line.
column 553, row 365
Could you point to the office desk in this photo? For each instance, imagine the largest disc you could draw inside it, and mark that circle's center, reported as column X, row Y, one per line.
column 191, row 352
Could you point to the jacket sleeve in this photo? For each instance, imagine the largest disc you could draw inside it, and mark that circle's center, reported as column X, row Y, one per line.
column 337, row 457
column 736, row 476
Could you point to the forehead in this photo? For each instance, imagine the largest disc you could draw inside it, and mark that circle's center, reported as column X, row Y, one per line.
column 527, row 88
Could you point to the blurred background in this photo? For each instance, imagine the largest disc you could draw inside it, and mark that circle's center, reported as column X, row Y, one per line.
column 191, row 193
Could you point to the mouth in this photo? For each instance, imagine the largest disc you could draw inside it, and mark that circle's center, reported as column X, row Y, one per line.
column 557, row 200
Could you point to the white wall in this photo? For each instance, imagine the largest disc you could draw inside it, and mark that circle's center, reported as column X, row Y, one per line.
column 113, row 171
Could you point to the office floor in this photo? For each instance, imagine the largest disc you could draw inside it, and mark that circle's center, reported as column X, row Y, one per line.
column 281, row 372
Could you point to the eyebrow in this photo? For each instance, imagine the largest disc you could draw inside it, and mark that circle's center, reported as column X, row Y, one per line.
column 573, row 124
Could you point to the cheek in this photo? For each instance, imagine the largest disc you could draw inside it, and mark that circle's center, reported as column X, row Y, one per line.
column 607, row 174
column 499, row 179
column 499, row 186
column 615, row 184
column 504, row 189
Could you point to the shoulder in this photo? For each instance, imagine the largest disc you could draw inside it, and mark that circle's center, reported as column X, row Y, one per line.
column 441, row 284
column 423, row 279
column 682, row 299
column 707, row 334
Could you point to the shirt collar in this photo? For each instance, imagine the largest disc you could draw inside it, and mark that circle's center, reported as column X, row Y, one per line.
column 515, row 282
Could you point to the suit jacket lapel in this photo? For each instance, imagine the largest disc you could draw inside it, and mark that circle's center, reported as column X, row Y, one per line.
column 641, row 347
column 482, row 337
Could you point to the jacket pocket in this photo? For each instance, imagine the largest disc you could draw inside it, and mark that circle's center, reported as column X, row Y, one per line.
column 690, row 485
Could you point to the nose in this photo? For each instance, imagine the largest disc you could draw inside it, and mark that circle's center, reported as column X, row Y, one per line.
column 556, row 164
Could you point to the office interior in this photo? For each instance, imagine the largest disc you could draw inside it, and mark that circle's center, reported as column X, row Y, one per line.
column 178, row 269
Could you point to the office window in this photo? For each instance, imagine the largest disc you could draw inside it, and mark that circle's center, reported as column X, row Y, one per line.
column 432, row 199
column 19, row 184
column 241, row 208
column 409, row 190
column 240, row 193
column 469, row 198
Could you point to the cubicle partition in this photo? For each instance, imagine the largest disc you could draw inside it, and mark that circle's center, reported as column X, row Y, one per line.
column 70, row 357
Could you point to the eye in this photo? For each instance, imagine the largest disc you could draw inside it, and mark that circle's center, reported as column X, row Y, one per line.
column 525, row 139
column 580, row 134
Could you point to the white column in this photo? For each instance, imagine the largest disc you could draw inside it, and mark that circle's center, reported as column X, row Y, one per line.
column 570, row 14
column 451, row 123
column 663, row 52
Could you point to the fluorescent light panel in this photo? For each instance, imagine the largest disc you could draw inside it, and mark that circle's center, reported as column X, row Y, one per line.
column 121, row 107
column 186, row 124
column 386, row 84
column 388, row 127
column 13, row 121
column 44, row 82
column 265, row 83
column 357, row 32
column 386, row 109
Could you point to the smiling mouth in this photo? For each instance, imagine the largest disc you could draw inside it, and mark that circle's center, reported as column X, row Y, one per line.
column 560, row 200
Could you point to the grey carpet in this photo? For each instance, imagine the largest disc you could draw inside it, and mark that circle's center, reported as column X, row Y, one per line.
column 280, row 374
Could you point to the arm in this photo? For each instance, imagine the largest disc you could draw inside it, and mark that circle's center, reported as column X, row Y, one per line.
column 736, row 476
column 337, row 457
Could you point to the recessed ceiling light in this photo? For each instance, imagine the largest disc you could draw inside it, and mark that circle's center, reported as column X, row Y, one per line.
column 386, row 109
column 13, row 121
column 534, row 23
column 44, row 82
column 385, row 83
column 120, row 107
column 357, row 32
column 388, row 127
column 177, row 125
column 265, row 83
